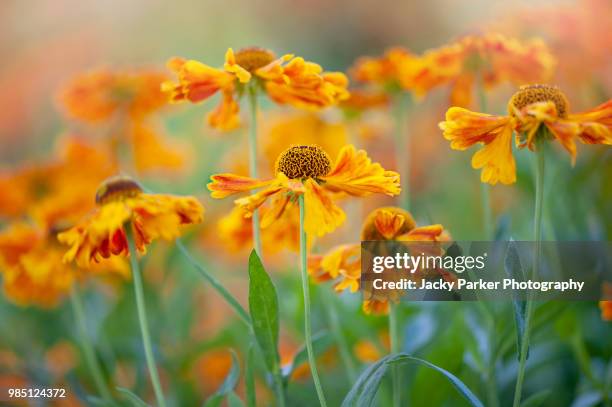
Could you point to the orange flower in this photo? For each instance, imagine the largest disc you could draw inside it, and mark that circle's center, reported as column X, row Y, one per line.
column 492, row 57
column 532, row 108
column 122, row 102
column 308, row 170
column 393, row 70
column 121, row 200
column 343, row 263
column 286, row 80
column 32, row 269
column 59, row 189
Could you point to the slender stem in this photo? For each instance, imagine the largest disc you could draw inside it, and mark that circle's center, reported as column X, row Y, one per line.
column 88, row 350
column 142, row 318
column 252, row 91
column 537, row 232
column 336, row 329
column 306, row 291
column 402, row 150
column 231, row 300
column 395, row 348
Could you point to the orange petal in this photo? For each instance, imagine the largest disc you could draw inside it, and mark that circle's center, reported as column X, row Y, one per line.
column 355, row 174
column 596, row 124
column 232, row 66
column 496, row 159
column 225, row 117
column 224, row 185
column 322, row 215
column 388, row 223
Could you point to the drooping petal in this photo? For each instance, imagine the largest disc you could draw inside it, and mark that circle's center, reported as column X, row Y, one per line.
column 249, row 204
column 464, row 128
column 225, row 117
column 434, row 233
column 322, row 214
column 596, row 124
column 196, row 81
column 388, row 223
column 276, row 210
column 224, row 185
column 355, row 174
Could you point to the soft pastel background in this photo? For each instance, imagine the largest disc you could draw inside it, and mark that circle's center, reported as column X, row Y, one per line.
column 44, row 43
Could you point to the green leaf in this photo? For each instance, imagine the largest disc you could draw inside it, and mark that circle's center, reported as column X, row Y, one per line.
column 536, row 399
column 228, row 385
column 263, row 306
column 250, row 378
column 132, row 398
column 364, row 391
column 514, row 270
column 321, row 341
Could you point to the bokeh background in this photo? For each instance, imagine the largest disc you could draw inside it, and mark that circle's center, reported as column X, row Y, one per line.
column 45, row 43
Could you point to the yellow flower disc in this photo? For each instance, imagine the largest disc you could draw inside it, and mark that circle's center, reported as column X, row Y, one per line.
column 253, row 58
column 299, row 162
column 540, row 93
column 116, row 189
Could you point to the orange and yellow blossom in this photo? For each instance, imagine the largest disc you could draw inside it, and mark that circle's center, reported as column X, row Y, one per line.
column 122, row 102
column 491, row 58
column 32, row 269
column 532, row 108
column 122, row 203
column 343, row 263
column 308, row 171
column 286, row 80
column 392, row 71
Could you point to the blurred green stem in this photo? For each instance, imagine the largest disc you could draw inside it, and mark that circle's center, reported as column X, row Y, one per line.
column 231, row 300
column 485, row 189
column 306, row 291
column 537, row 232
column 336, row 329
column 402, row 154
column 142, row 317
column 252, row 92
column 88, row 350
column 395, row 349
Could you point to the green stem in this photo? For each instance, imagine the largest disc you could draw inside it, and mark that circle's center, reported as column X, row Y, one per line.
column 395, row 349
column 537, row 232
column 231, row 300
column 334, row 323
column 88, row 350
column 306, row 291
column 402, row 153
column 252, row 91
column 142, row 318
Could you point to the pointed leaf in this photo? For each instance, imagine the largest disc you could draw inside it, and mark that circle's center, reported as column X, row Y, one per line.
column 514, row 270
column 263, row 306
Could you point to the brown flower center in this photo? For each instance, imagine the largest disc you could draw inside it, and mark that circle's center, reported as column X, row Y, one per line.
column 540, row 93
column 369, row 231
column 116, row 189
column 300, row 162
column 253, row 58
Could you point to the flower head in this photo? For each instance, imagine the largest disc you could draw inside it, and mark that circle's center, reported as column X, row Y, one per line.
column 307, row 170
column 532, row 108
column 32, row 269
column 392, row 71
column 491, row 57
column 286, row 80
column 122, row 203
column 122, row 103
column 342, row 264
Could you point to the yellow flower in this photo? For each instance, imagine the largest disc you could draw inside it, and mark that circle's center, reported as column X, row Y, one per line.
column 122, row 203
column 343, row 263
column 32, row 269
column 287, row 80
column 492, row 57
column 123, row 102
column 531, row 108
column 308, row 170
